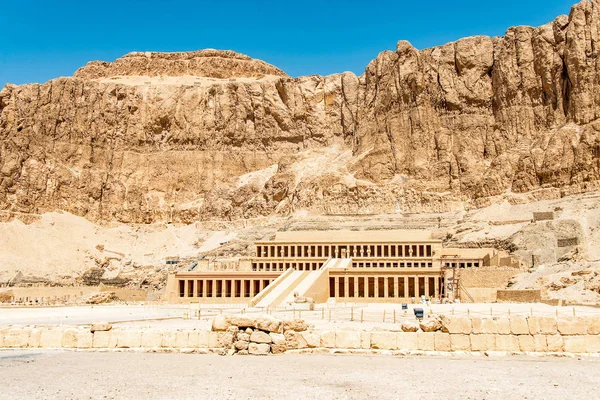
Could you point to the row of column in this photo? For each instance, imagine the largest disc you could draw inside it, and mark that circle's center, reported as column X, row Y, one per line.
column 388, row 264
column 232, row 288
column 393, row 286
column 344, row 251
column 275, row 266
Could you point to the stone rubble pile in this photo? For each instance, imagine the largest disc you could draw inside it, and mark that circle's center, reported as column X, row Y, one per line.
column 256, row 335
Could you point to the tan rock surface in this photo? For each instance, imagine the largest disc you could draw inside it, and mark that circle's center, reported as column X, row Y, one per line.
column 161, row 136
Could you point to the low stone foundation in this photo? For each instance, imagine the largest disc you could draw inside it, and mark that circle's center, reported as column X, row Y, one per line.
column 576, row 335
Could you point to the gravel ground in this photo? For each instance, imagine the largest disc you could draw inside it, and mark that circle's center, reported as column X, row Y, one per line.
column 102, row 375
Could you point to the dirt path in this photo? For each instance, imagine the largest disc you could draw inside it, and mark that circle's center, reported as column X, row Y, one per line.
column 88, row 375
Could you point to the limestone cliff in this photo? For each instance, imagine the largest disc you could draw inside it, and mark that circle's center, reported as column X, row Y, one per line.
column 218, row 135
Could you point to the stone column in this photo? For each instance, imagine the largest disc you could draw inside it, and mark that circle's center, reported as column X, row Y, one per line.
column 376, row 287
column 336, row 283
column 346, row 286
column 396, row 287
column 417, row 293
column 426, row 286
column 366, row 281
column 436, row 287
column 386, row 287
column 195, row 292
column 214, row 288
column 242, row 288
column 406, row 287
column 185, row 288
column 224, row 288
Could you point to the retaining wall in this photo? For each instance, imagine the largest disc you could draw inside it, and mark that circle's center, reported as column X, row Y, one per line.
column 514, row 335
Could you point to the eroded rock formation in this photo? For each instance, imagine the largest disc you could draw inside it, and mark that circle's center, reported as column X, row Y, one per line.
column 215, row 134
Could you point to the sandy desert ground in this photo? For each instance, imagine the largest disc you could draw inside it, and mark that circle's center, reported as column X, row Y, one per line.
column 85, row 375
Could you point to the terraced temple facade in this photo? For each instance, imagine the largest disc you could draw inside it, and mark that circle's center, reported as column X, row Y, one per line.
column 350, row 266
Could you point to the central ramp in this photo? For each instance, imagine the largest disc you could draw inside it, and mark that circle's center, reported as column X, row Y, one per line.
column 306, row 283
column 278, row 288
column 316, row 281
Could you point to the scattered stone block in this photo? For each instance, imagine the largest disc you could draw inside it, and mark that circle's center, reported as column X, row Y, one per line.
column 574, row 344
column 84, row 339
column 181, row 340
column 484, row 325
column 460, row 342
column 52, row 339
column 483, row 342
column 129, row 339
column 548, row 325
column 347, row 340
column 225, row 339
column 242, row 353
column 508, row 343
column 296, row 340
column 192, row 339
column 220, row 323
column 203, row 339
column 384, row 340
column 259, row 349
column 365, row 340
column 214, row 339
column 328, row 339
column 101, row 340
column 426, row 341
column 35, row 336
column 503, row 326
column 260, row 337
column 297, row 325
column 410, row 326
column 241, row 345
column 243, row 336
column 555, row 343
column 519, row 326
column 277, row 338
column 309, row 339
column 150, row 339
column 592, row 343
column 16, row 338
column 539, row 343
column 168, row 339
column 268, row 324
column 441, row 341
column 453, row 325
column 534, row 325
column 100, row 327
column 69, row 339
column 240, row 320
column 593, row 325
column 526, row 343
column 278, row 348
column 406, row 341
column 431, row 324
column 571, row 326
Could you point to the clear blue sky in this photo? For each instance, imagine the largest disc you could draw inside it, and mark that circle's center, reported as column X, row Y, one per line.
column 41, row 40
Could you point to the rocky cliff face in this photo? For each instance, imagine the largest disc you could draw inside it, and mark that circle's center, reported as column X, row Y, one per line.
column 215, row 134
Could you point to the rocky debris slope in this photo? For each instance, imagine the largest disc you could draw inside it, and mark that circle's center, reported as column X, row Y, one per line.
column 217, row 135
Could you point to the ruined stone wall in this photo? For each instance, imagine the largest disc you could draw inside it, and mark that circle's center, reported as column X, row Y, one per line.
column 516, row 335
